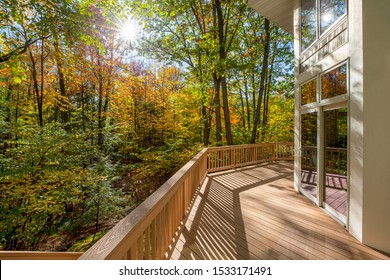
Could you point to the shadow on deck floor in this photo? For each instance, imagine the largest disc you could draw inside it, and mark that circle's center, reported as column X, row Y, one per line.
column 254, row 213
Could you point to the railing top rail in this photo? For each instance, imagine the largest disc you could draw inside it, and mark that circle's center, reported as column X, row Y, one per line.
column 328, row 148
column 135, row 222
column 336, row 149
column 248, row 146
column 38, row 255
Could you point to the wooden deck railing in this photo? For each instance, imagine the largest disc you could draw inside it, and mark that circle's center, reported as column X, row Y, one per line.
column 36, row 255
column 228, row 157
column 148, row 231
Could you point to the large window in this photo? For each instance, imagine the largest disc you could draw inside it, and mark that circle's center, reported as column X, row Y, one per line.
column 309, row 92
column 334, row 83
column 328, row 11
column 308, row 23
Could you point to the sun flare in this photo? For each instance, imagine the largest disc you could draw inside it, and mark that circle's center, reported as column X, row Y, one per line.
column 130, row 30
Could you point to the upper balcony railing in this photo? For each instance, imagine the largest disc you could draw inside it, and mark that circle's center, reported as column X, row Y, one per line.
column 149, row 230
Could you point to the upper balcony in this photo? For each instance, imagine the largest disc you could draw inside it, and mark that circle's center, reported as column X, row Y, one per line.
column 235, row 202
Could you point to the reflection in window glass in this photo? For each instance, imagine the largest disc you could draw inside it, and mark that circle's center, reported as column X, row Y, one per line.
column 331, row 11
column 334, row 83
column 336, row 159
column 308, row 23
column 308, row 92
column 309, row 157
column 309, row 129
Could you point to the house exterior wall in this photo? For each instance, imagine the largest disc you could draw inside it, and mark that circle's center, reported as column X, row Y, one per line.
column 356, row 104
column 367, row 52
column 376, row 138
column 362, row 40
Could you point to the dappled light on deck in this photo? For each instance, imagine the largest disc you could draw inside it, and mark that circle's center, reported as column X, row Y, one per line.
column 254, row 213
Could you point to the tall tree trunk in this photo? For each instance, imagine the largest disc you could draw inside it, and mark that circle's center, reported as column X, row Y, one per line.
column 242, row 109
column 206, row 117
column 37, row 92
column 268, row 89
column 265, row 104
column 100, row 114
column 83, row 107
column 17, row 115
column 222, row 76
column 217, row 101
column 61, row 80
column 42, row 83
column 226, row 112
column 263, row 76
column 7, row 132
column 100, row 102
column 248, row 111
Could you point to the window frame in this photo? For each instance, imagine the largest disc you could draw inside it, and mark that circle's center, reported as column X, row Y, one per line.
column 316, row 101
column 319, row 35
column 338, row 98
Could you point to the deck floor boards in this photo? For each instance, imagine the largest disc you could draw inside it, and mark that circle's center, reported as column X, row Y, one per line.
column 254, row 213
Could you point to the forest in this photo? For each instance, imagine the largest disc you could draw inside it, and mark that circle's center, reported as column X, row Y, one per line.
column 101, row 101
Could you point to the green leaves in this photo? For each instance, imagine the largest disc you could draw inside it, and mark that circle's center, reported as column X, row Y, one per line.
column 80, row 108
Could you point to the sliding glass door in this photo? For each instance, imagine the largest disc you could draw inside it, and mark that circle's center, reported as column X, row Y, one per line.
column 324, row 140
column 335, row 185
column 309, row 155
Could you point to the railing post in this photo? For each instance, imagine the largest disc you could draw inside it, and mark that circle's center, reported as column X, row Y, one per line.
column 234, row 157
column 273, row 151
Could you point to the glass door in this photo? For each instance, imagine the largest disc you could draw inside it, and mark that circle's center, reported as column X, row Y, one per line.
column 335, row 185
column 309, row 155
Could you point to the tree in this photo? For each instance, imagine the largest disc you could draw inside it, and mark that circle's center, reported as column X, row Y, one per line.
column 264, row 69
column 83, row 115
column 173, row 36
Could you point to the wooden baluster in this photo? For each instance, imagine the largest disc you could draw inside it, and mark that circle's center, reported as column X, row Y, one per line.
column 154, row 239
column 172, row 224
column 208, row 160
column 186, row 182
column 165, row 237
column 256, row 149
column 168, row 236
column 176, row 209
column 229, row 155
column 133, row 252
column 139, row 248
column 181, row 203
column 159, row 237
column 164, row 233
column 147, row 243
column 274, row 152
column 216, row 159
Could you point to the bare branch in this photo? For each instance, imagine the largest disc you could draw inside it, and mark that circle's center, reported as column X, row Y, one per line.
column 21, row 49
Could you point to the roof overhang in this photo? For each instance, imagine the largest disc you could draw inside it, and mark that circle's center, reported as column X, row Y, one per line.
column 280, row 12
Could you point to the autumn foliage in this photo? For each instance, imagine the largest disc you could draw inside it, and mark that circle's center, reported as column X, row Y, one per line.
column 91, row 123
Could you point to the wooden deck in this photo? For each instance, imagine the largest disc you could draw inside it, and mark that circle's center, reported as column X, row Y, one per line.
column 254, row 213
